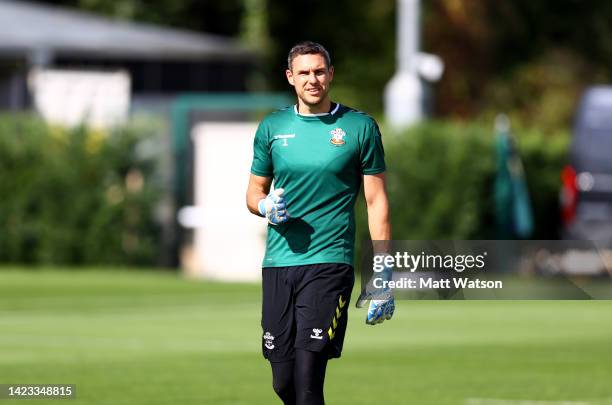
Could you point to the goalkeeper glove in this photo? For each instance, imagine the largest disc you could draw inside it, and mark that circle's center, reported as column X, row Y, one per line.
column 382, row 302
column 273, row 207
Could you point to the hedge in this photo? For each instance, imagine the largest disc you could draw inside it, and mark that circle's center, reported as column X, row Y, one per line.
column 76, row 196
column 440, row 178
column 80, row 196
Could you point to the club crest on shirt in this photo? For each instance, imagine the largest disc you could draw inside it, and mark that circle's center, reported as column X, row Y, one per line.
column 337, row 137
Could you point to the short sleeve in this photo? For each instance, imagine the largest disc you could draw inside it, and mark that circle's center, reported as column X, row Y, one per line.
column 372, row 154
column 262, row 161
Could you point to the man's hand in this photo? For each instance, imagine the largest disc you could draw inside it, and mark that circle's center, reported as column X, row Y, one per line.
column 382, row 302
column 273, row 207
column 380, row 309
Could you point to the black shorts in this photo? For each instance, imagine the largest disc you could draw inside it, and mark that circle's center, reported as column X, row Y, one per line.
column 305, row 307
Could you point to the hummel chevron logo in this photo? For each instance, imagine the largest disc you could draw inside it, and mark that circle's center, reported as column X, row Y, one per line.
column 332, row 329
column 317, row 334
column 331, row 333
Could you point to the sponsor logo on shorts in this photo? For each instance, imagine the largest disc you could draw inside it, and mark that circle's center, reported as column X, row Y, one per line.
column 317, row 334
column 269, row 341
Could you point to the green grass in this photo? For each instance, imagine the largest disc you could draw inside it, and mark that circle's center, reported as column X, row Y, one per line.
column 154, row 338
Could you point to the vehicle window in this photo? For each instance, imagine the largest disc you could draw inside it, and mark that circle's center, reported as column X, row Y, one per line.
column 597, row 120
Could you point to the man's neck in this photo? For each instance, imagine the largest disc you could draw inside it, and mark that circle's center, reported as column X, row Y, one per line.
column 321, row 108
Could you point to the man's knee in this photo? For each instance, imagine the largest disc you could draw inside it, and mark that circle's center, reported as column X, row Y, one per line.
column 283, row 387
column 283, row 382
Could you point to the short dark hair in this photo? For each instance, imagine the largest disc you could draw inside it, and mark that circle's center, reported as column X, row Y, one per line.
column 306, row 48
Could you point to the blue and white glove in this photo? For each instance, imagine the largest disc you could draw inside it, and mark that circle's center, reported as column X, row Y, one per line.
column 273, row 207
column 382, row 302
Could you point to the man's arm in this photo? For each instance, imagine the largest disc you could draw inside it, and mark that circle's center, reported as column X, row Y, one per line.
column 378, row 210
column 258, row 188
column 382, row 303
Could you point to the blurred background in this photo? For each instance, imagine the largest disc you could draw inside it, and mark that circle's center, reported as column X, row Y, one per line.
column 104, row 97
column 122, row 122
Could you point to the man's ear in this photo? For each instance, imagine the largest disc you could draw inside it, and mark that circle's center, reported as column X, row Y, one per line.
column 331, row 73
column 289, row 75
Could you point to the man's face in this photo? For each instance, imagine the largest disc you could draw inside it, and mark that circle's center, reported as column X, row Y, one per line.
column 310, row 77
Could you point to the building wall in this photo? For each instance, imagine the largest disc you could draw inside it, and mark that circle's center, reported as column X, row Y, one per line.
column 150, row 79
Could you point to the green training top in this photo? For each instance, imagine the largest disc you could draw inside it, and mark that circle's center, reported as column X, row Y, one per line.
column 318, row 159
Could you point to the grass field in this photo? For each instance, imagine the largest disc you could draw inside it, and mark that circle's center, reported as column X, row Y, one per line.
column 154, row 338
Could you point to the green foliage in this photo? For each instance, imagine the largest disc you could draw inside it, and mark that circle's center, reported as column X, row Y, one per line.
column 75, row 196
column 440, row 179
column 543, row 93
column 519, row 57
column 544, row 156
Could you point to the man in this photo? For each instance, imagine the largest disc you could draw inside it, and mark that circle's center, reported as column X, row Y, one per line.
column 317, row 153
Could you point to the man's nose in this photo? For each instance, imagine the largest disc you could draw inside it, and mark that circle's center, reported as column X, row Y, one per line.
column 312, row 77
